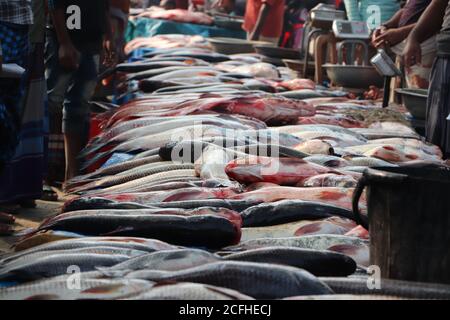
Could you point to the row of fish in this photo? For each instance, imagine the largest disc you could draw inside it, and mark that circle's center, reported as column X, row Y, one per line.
column 218, row 177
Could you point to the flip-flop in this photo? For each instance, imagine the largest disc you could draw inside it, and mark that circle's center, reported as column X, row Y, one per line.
column 48, row 194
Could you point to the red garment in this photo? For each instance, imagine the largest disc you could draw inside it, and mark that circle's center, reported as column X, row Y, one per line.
column 274, row 23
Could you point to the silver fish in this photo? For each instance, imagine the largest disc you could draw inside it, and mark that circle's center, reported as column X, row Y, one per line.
column 258, row 280
column 62, row 289
column 190, row 291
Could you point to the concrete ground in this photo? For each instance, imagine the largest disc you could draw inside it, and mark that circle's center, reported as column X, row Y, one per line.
column 28, row 218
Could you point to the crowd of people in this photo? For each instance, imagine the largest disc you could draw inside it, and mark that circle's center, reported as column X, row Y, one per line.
column 45, row 117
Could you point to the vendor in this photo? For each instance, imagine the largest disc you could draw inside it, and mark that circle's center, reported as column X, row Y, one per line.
column 436, row 17
column 264, row 20
column 393, row 34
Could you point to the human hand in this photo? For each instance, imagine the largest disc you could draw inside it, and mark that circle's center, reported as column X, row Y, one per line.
column 412, row 54
column 389, row 37
column 110, row 55
column 377, row 32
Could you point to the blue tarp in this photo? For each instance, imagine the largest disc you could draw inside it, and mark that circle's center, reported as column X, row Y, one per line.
column 145, row 27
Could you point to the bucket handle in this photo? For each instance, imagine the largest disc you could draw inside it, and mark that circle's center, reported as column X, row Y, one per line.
column 375, row 175
column 359, row 218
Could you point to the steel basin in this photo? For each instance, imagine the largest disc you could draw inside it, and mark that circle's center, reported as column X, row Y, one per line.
column 360, row 77
column 415, row 100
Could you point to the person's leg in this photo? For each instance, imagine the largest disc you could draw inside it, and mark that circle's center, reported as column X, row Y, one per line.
column 76, row 113
column 438, row 105
column 58, row 82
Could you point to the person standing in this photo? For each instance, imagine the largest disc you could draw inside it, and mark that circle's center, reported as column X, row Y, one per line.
column 79, row 30
column 393, row 34
column 263, row 20
column 22, row 30
column 436, row 17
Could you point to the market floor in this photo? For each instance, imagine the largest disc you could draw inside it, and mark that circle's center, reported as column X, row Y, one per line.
column 28, row 218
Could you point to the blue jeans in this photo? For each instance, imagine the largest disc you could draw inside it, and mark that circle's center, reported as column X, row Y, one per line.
column 71, row 90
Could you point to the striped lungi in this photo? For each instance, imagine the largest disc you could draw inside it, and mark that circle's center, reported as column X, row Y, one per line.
column 438, row 105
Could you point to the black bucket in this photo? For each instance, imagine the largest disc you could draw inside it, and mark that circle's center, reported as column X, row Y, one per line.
column 409, row 220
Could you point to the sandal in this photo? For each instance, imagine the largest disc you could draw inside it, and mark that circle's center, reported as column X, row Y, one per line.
column 48, row 194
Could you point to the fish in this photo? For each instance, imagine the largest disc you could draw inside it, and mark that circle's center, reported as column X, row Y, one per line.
column 298, row 84
column 355, row 161
column 329, row 180
column 302, row 94
column 347, row 297
column 129, row 243
column 157, row 140
column 359, row 232
column 196, row 193
column 314, row 147
column 159, row 178
column 341, row 197
column 257, row 70
column 110, row 170
column 286, row 211
column 282, row 171
column 93, row 203
column 273, row 111
column 317, row 262
column 375, row 133
column 360, row 253
column 337, row 120
column 132, row 175
column 189, row 291
column 321, row 227
column 162, row 127
column 315, row 242
column 107, row 250
column 391, row 287
column 323, row 129
column 328, row 161
column 235, row 205
column 91, row 289
column 258, row 280
column 169, row 260
column 276, row 231
column 395, row 154
column 335, row 139
column 57, row 264
column 418, row 144
column 198, row 230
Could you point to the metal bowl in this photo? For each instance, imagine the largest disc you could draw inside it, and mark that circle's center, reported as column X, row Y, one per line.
column 415, row 100
column 277, row 52
column 360, row 77
column 233, row 45
column 228, row 22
